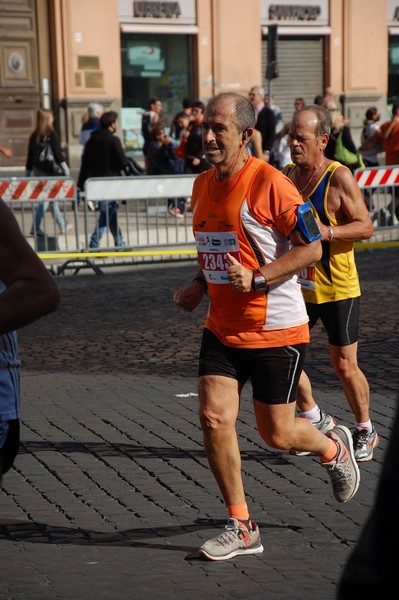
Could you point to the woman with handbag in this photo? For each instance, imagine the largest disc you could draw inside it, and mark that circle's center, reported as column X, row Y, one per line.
column 46, row 159
column 341, row 146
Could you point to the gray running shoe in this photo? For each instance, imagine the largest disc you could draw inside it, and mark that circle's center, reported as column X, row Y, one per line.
column 364, row 443
column 233, row 541
column 325, row 423
column 343, row 471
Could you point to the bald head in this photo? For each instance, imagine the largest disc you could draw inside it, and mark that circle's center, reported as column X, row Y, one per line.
column 308, row 136
column 238, row 107
column 317, row 115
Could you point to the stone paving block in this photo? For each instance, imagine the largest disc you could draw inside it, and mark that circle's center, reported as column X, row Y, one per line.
column 111, row 492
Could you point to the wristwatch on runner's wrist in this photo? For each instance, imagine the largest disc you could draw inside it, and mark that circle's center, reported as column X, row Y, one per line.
column 259, row 283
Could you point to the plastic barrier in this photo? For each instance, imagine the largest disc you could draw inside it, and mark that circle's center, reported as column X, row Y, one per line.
column 24, row 195
column 378, row 186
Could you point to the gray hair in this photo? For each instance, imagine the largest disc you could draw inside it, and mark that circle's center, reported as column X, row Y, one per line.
column 324, row 123
column 95, row 110
column 244, row 111
column 259, row 90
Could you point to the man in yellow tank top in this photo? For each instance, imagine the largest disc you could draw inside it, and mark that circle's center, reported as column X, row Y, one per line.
column 252, row 240
column 331, row 286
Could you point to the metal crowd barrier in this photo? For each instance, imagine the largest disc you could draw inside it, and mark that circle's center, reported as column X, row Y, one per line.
column 150, row 232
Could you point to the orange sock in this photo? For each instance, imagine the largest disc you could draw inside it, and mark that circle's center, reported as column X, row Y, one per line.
column 238, row 511
column 331, row 452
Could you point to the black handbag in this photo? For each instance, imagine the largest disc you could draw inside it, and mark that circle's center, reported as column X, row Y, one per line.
column 45, row 160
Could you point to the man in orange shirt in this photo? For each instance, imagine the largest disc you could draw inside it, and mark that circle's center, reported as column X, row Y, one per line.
column 389, row 132
column 253, row 235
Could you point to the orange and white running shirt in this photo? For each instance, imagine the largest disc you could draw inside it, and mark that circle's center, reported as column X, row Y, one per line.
column 249, row 216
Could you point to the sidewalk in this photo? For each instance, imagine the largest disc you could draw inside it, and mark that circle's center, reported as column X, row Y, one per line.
column 111, row 494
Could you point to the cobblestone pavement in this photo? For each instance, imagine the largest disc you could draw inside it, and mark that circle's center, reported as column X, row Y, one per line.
column 111, row 494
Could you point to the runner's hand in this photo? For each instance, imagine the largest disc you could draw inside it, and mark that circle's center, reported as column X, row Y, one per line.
column 189, row 297
column 240, row 278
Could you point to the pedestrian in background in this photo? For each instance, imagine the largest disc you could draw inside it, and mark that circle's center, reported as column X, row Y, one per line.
column 299, row 104
column 92, row 123
column 45, row 132
column 248, row 229
column 162, row 160
column 341, row 146
column 279, row 124
column 331, row 286
column 186, row 113
column 328, row 98
column 27, row 292
column 149, row 119
column 390, row 141
column 265, row 119
column 371, row 144
column 103, row 156
column 283, row 155
column 194, row 152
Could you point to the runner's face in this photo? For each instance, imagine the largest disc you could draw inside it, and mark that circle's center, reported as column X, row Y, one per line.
column 306, row 148
column 221, row 140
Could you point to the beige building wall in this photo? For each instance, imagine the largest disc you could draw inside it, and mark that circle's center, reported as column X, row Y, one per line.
column 204, row 50
column 88, row 62
column 358, row 66
column 236, row 45
column 227, row 55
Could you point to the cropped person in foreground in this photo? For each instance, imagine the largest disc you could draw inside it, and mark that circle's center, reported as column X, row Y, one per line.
column 27, row 292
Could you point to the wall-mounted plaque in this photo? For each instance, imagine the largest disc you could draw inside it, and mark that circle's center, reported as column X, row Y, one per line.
column 89, row 63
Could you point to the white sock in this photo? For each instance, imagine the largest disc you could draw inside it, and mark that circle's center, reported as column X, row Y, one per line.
column 312, row 415
column 367, row 425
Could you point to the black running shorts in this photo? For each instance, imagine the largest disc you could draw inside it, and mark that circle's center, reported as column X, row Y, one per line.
column 340, row 320
column 274, row 372
column 10, row 448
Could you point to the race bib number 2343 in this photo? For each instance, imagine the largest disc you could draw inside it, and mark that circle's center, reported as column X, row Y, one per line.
column 212, row 248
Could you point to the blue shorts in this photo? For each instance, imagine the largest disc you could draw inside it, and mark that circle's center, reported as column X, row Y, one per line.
column 274, row 372
column 10, row 368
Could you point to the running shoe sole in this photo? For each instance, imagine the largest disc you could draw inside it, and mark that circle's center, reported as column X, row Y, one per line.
column 257, row 550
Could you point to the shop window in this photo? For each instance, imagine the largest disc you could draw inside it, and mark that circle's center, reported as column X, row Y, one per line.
column 153, row 65
column 393, row 69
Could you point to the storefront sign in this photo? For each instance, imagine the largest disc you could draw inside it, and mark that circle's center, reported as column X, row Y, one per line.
column 393, row 12
column 179, row 12
column 289, row 13
column 158, row 10
column 298, row 12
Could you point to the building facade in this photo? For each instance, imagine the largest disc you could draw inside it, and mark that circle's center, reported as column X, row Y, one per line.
column 64, row 54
